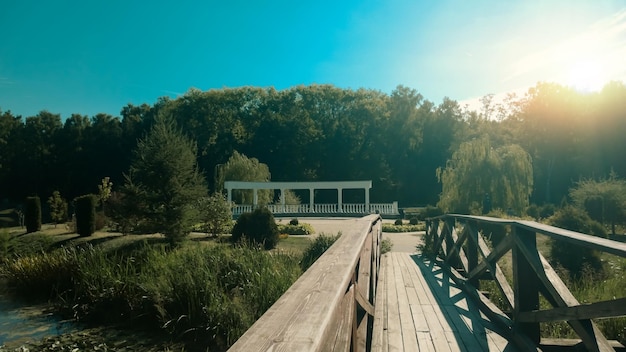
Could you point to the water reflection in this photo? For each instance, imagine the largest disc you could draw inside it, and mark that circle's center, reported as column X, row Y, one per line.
column 20, row 324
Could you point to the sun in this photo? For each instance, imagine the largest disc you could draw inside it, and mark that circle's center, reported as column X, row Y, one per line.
column 586, row 76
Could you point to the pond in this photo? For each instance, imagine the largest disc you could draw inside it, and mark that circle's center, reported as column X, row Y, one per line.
column 20, row 324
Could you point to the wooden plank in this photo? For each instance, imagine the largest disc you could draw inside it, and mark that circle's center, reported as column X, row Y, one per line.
column 394, row 327
column 380, row 308
column 525, row 282
column 409, row 339
column 496, row 272
column 342, row 341
column 604, row 309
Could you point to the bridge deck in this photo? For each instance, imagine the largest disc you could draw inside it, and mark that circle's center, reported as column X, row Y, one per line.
column 419, row 308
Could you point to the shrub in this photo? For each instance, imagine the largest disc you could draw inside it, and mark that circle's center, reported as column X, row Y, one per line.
column 403, row 228
column 301, row 229
column 575, row 258
column 385, row 246
column 32, row 214
column 398, row 222
column 294, row 221
column 429, row 212
column 546, row 211
column 258, row 227
column 413, row 221
column 58, row 208
column 85, row 208
column 316, row 249
column 101, row 220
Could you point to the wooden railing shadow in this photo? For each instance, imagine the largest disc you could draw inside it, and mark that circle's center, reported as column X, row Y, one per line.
column 331, row 306
column 460, row 311
column 457, row 242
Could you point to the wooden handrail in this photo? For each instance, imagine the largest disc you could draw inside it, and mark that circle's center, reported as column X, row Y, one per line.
column 456, row 239
column 330, row 306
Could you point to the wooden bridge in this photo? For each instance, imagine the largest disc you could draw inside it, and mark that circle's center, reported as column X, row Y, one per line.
column 354, row 299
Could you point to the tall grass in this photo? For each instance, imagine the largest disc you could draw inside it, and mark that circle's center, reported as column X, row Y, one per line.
column 207, row 295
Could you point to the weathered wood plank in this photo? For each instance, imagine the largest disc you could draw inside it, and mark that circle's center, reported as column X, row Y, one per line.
column 409, row 338
column 394, row 327
column 380, row 309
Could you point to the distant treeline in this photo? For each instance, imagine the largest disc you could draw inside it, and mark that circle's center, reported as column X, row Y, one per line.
column 321, row 132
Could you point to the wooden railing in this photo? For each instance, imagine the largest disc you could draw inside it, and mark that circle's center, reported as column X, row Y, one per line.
column 457, row 240
column 331, row 306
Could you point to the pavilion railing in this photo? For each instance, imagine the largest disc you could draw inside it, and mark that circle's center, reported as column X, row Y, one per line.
column 459, row 242
column 330, row 208
column 331, row 306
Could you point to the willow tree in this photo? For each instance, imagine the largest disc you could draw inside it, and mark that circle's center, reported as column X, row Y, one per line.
column 604, row 200
column 241, row 168
column 477, row 172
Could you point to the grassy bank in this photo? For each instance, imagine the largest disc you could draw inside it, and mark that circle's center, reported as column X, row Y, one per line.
column 206, row 294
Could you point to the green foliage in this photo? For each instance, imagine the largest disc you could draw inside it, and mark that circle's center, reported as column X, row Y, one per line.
column 5, row 239
column 413, row 221
column 429, row 212
column 478, row 171
column 398, row 222
column 215, row 213
column 294, row 221
column 104, row 190
column 32, row 214
column 290, row 198
column 299, row 229
column 258, row 227
column 315, row 250
column 604, row 200
column 402, row 228
column 164, row 182
column 241, row 168
column 215, row 291
column 58, row 208
column 575, row 258
column 85, row 207
column 386, row 246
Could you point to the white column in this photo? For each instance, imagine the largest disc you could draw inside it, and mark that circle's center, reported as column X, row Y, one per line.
column 230, row 195
column 339, row 200
column 311, row 202
column 255, row 198
column 282, row 200
column 367, row 200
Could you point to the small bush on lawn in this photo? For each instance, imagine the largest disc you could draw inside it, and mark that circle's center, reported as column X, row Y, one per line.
column 32, row 214
column 316, row 249
column 398, row 222
column 294, row 221
column 301, row 229
column 413, row 221
column 258, row 227
column 403, row 228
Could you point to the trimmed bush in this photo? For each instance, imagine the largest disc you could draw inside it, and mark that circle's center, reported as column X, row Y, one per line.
column 576, row 258
column 32, row 214
column 258, row 227
column 294, row 221
column 316, row 249
column 85, row 214
column 413, row 221
column 398, row 222
column 301, row 229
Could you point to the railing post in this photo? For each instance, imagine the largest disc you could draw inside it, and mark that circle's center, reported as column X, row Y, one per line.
column 526, row 283
column 472, row 251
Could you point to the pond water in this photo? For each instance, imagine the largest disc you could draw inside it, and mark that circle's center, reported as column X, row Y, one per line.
column 21, row 324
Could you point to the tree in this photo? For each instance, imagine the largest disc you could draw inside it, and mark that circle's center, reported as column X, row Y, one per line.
column 215, row 214
column 85, row 207
column 58, row 208
column 477, row 171
column 104, row 191
column 241, row 168
column 603, row 200
column 165, row 180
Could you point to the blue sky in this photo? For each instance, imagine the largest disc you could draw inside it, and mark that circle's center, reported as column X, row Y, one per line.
column 87, row 57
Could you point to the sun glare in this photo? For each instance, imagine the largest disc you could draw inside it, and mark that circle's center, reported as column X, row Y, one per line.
column 586, row 76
